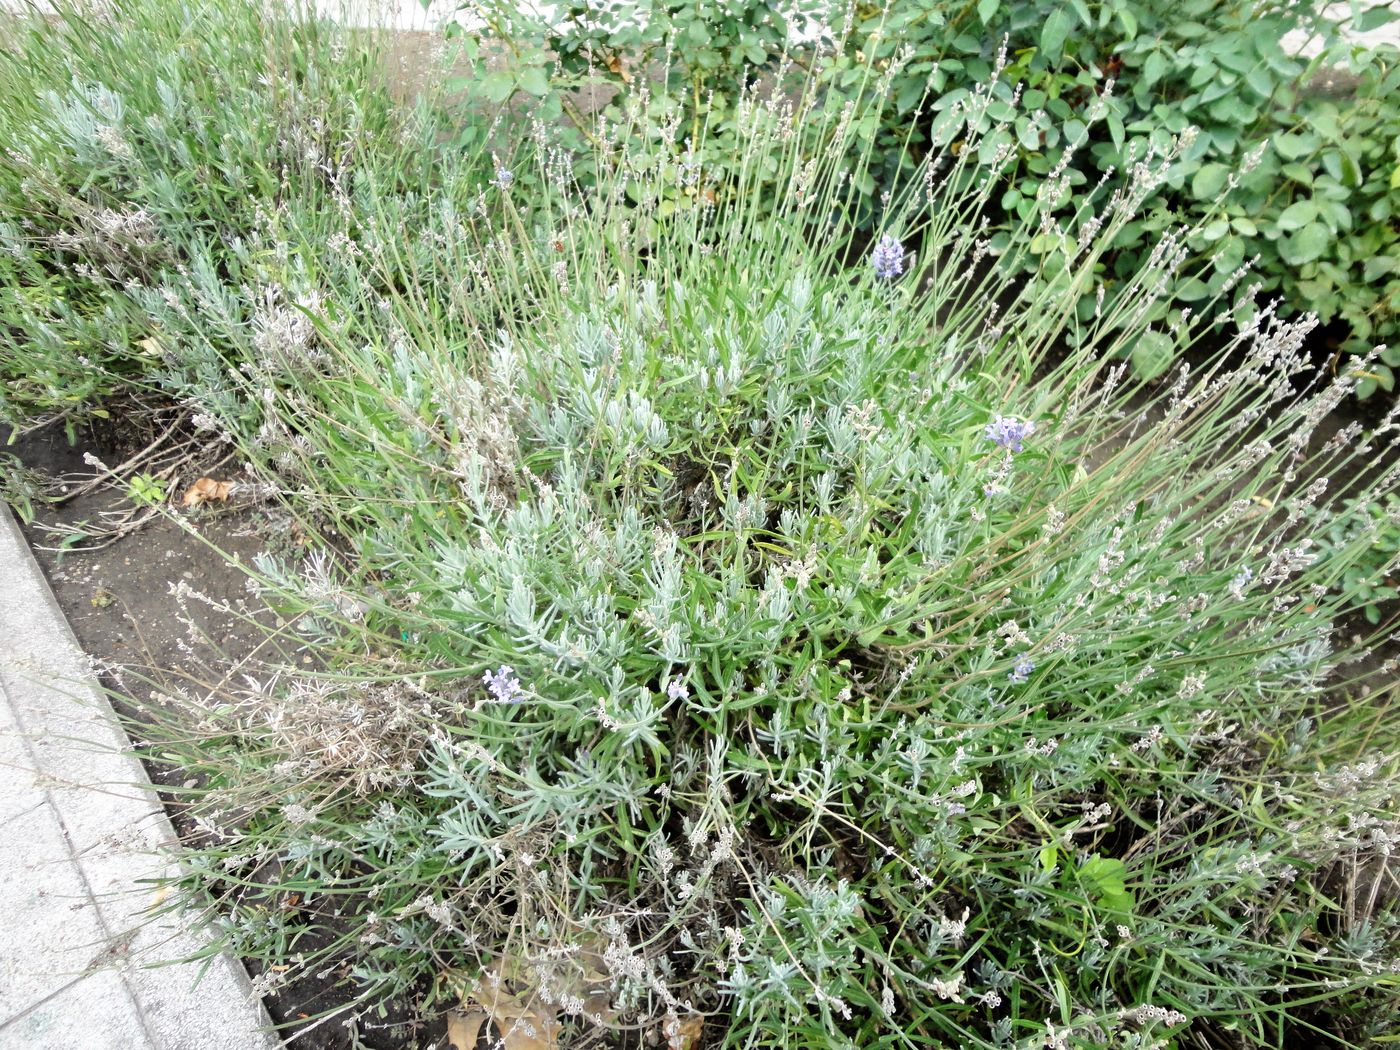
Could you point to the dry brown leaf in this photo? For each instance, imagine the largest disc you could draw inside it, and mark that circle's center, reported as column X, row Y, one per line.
column 687, row 1035
column 206, row 490
column 463, row 1029
column 592, row 985
column 521, row 1027
column 598, row 1008
column 616, row 67
column 501, row 995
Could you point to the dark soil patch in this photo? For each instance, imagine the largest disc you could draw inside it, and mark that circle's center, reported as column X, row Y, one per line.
column 122, row 601
column 119, row 599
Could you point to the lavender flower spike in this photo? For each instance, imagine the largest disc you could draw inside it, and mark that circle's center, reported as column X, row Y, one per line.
column 504, row 686
column 888, row 257
column 1009, row 432
column 504, row 176
column 1021, row 670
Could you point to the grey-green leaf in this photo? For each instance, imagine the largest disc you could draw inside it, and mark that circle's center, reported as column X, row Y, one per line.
column 1308, row 244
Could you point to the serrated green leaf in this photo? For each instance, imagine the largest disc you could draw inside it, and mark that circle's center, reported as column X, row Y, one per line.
column 1106, row 880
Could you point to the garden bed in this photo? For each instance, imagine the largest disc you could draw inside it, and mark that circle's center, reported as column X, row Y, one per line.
column 724, row 593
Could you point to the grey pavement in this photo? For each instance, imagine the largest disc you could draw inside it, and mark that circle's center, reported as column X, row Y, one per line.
column 81, row 830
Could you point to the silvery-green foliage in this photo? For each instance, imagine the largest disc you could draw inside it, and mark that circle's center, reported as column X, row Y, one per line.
column 138, row 187
column 813, row 645
column 817, row 638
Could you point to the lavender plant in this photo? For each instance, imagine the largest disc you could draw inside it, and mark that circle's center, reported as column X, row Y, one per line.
column 824, row 651
column 711, row 627
column 150, row 142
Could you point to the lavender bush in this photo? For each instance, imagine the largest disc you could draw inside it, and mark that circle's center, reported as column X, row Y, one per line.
column 720, row 641
column 817, row 650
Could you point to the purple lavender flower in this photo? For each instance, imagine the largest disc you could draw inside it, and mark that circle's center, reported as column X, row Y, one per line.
column 504, row 686
column 504, row 176
column 1009, row 432
column 1021, row 670
column 888, row 257
column 676, row 689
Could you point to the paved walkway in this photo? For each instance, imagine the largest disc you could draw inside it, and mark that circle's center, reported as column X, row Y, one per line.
column 79, row 824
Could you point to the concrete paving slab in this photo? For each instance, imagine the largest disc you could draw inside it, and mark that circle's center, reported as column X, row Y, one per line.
column 21, row 793
column 51, row 928
column 97, row 1014
column 85, row 834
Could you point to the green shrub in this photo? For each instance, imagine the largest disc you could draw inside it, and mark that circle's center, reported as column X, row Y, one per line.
column 1310, row 178
column 707, row 630
column 1375, row 528
column 153, row 141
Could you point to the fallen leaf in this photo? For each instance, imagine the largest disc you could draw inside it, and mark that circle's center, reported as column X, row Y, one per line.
column 521, row 1028
column 499, row 997
column 463, row 1029
column 206, row 490
column 687, row 1035
column 598, row 1009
